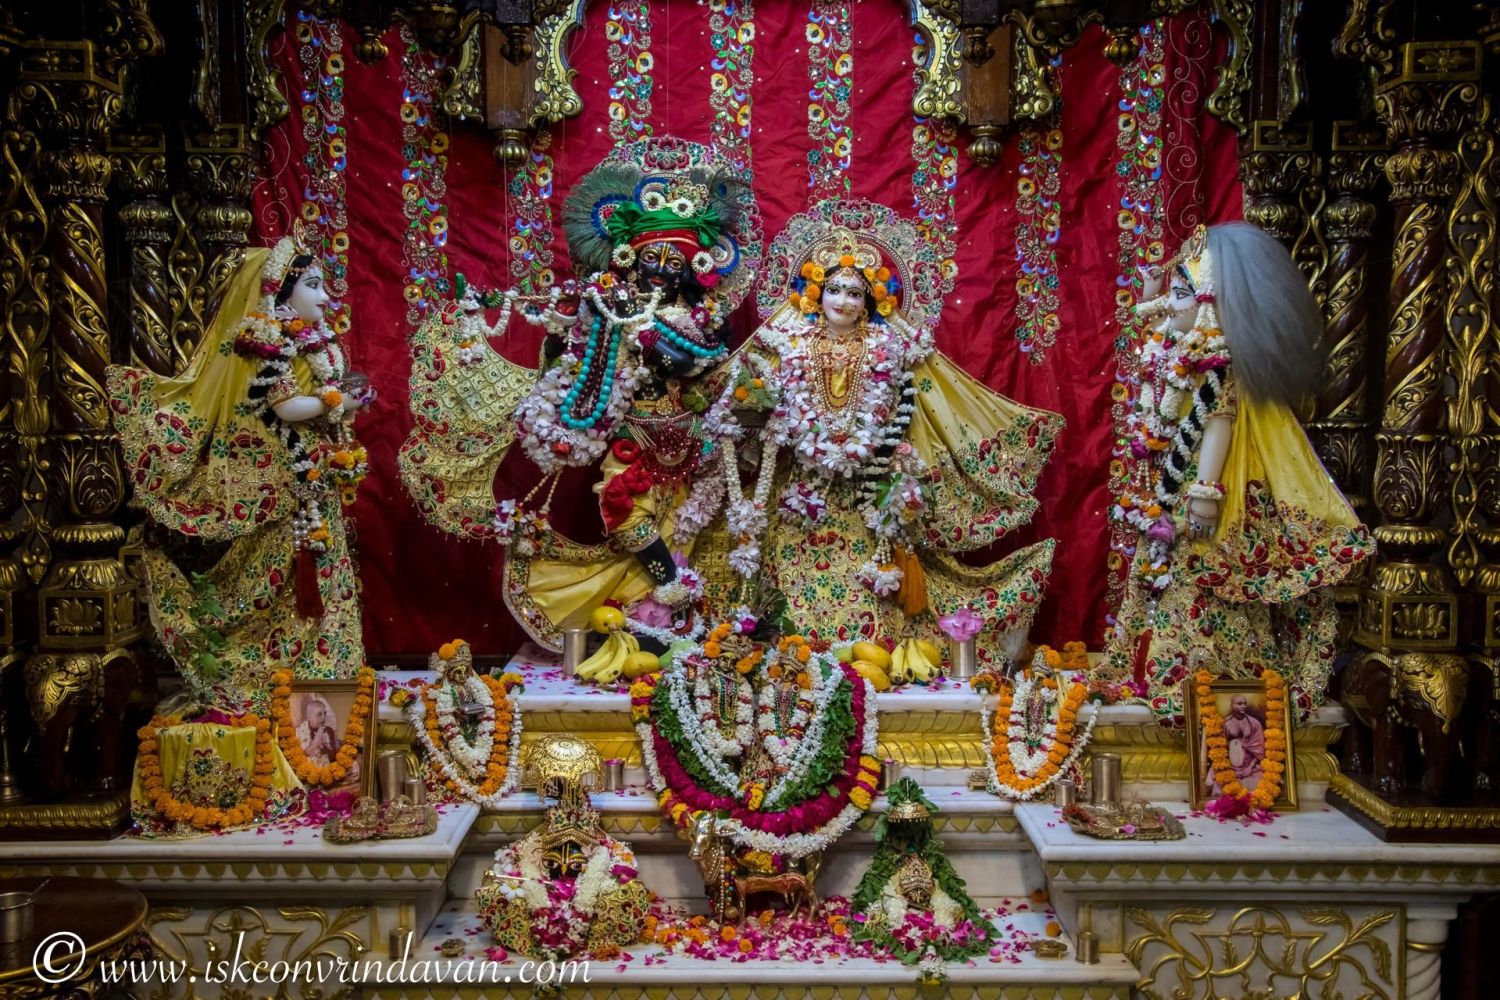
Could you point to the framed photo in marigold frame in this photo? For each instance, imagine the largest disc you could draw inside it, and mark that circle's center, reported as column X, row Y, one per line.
column 321, row 711
column 1241, row 704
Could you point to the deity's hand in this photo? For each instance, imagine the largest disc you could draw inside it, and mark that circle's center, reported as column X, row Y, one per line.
column 1203, row 517
column 1153, row 279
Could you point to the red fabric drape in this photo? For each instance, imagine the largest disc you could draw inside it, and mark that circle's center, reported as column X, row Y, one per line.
column 421, row 588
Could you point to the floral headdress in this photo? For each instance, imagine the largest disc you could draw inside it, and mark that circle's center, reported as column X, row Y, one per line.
column 280, row 263
column 896, row 262
column 1194, row 261
column 843, row 252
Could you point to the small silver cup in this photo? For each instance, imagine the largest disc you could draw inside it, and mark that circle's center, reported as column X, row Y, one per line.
column 17, row 916
column 964, row 656
column 415, row 791
column 575, row 649
column 1104, row 789
column 1067, row 792
column 890, row 773
column 392, row 769
column 614, row 775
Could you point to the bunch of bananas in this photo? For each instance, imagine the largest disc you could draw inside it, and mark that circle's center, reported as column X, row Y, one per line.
column 619, row 655
column 918, row 660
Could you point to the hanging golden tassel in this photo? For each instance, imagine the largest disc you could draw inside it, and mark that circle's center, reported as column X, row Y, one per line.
column 912, row 597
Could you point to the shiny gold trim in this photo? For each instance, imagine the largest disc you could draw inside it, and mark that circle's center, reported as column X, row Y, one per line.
column 1414, row 817
column 1227, row 102
column 939, row 78
column 1307, row 874
column 171, row 871
column 648, row 822
column 85, row 819
column 262, row 17
column 555, row 97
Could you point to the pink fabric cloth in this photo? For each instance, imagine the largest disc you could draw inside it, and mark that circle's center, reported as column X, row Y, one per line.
column 1252, row 737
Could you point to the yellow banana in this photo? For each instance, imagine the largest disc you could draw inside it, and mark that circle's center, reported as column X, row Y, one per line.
column 606, row 665
column 900, row 665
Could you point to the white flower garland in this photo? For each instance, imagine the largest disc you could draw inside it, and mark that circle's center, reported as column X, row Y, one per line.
column 665, row 636
column 1016, row 732
column 810, row 715
column 416, row 714
column 793, row 846
column 473, row 757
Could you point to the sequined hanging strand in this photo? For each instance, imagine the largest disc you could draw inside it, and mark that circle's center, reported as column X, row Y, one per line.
column 830, row 74
column 1138, row 145
column 628, row 31
column 320, row 53
column 731, row 26
column 530, row 189
column 424, row 147
column 1038, row 228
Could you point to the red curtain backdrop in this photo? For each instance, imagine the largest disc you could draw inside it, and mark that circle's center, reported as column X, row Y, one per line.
column 422, row 587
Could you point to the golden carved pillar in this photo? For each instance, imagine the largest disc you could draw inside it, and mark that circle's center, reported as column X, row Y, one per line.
column 87, row 607
column 221, row 165
column 1339, row 429
column 140, row 174
column 1276, row 162
column 1410, row 603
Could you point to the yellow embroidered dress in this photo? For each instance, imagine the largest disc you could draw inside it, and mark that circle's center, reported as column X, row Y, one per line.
column 1253, row 596
column 204, row 463
column 961, row 477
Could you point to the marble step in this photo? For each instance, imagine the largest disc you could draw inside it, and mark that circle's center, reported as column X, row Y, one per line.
column 1012, row 970
column 978, row 830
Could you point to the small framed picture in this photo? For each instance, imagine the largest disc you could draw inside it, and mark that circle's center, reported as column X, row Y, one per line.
column 322, row 711
column 1240, row 707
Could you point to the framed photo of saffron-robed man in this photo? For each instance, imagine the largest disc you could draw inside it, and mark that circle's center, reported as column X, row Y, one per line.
column 326, row 729
column 1239, row 732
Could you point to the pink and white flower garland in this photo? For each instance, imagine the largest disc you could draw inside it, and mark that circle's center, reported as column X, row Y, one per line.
column 1028, row 761
column 462, row 762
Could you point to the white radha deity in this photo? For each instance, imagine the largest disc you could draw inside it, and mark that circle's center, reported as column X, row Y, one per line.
column 1238, row 529
column 879, row 460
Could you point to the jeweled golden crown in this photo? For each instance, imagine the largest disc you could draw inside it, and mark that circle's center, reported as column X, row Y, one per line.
column 840, row 243
column 287, row 249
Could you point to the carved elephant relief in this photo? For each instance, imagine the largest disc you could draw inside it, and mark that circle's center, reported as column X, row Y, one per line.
column 78, row 703
column 1412, row 704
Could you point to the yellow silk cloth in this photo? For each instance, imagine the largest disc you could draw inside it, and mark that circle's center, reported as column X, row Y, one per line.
column 560, row 589
column 233, row 744
column 1284, row 527
column 983, row 453
column 1251, row 597
column 200, row 460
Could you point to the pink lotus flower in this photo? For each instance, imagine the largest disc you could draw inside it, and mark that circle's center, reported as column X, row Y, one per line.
column 961, row 625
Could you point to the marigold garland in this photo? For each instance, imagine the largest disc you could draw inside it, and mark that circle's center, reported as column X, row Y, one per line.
column 1268, row 790
column 1061, row 754
column 321, row 775
column 206, row 817
column 497, row 769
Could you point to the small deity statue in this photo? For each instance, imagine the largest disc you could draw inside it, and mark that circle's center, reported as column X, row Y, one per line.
column 665, row 233
column 910, row 875
column 252, row 445
column 567, row 888
column 880, row 460
column 1240, row 528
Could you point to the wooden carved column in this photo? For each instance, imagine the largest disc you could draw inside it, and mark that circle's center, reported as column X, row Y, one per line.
column 140, row 173
column 221, row 164
column 1410, row 603
column 1339, row 428
column 1276, row 161
column 87, row 606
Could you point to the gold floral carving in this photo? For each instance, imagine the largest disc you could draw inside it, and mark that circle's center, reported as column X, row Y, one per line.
column 1367, row 35
column 140, row 173
column 939, row 74
column 1438, row 681
column 463, row 97
column 262, row 18
column 197, row 940
column 1228, row 99
column 1263, row 952
column 555, row 98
